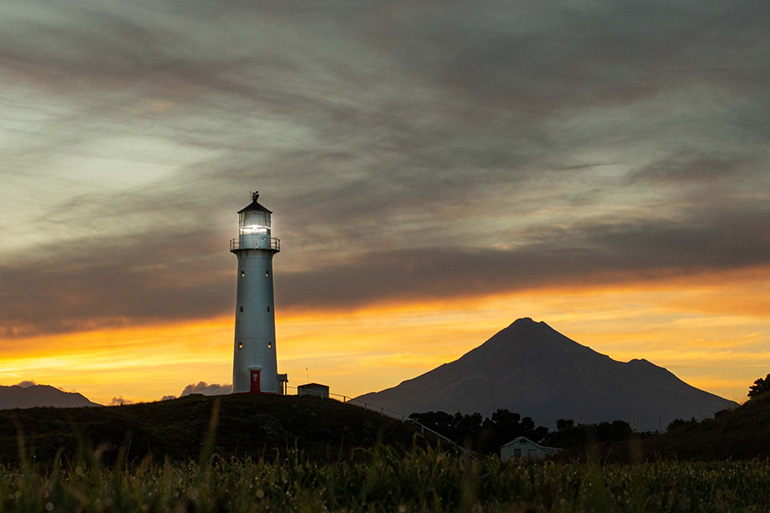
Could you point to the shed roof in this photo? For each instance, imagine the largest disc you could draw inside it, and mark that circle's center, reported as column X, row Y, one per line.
column 313, row 385
column 523, row 440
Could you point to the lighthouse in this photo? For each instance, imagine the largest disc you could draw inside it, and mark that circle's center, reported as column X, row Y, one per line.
column 255, row 368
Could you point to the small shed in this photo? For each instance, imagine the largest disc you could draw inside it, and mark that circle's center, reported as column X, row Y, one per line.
column 315, row 389
column 525, row 449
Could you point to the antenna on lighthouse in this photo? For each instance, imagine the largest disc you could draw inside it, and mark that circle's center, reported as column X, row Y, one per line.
column 255, row 196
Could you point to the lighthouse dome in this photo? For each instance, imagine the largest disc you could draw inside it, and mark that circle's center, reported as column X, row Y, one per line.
column 254, row 218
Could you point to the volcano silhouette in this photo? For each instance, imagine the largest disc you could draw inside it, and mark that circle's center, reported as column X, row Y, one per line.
column 534, row 370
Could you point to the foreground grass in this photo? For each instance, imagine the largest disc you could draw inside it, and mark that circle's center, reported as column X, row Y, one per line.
column 386, row 480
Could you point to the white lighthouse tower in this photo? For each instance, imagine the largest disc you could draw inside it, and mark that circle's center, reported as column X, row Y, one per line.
column 255, row 368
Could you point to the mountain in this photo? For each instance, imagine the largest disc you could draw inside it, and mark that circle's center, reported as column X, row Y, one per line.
column 40, row 395
column 532, row 369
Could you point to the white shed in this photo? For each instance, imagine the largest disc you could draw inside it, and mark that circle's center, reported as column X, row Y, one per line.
column 315, row 389
column 525, row 449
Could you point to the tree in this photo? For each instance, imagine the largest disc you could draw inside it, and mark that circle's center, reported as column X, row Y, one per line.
column 481, row 434
column 759, row 387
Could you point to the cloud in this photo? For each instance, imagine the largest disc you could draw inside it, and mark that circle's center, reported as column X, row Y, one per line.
column 689, row 167
column 408, row 150
column 168, row 398
column 206, row 389
column 584, row 254
column 119, row 401
column 145, row 283
column 26, row 384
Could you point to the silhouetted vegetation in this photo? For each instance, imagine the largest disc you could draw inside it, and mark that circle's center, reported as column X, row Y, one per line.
column 571, row 436
column 680, row 424
column 249, row 425
column 483, row 435
column 760, row 386
column 487, row 435
column 387, row 480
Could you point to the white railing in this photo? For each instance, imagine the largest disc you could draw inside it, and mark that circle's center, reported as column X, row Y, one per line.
column 275, row 244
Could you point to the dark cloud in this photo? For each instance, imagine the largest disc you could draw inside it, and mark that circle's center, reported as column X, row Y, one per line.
column 150, row 283
column 117, row 283
column 581, row 255
column 691, row 167
column 408, row 149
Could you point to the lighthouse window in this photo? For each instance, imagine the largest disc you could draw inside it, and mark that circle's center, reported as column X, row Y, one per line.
column 243, row 273
column 269, row 345
column 267, row 273
column 240, row 345
column 268, row 308
column 241, row 309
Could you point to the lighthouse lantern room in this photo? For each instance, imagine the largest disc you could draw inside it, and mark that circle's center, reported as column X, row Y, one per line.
column 255, row 366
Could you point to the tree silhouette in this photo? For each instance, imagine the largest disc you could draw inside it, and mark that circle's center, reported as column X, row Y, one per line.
column 759, row 387
column 570, row 435
column 485, row 436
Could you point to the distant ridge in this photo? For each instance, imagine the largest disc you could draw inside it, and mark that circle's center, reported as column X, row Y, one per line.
column 534, row 370
column 32, row 396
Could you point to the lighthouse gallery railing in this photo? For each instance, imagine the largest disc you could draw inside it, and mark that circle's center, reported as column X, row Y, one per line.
column 275, row 244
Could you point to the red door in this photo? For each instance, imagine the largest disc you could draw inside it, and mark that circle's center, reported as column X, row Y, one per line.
column 255, row 382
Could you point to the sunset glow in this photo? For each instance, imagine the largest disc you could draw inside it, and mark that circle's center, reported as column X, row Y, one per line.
column 672, row 325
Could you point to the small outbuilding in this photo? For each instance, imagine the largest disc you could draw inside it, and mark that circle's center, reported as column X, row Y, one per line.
column 525, row 449
column 315, row 389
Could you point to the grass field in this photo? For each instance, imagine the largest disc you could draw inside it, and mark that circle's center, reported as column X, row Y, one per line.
column 243, row 454
column 385, row 480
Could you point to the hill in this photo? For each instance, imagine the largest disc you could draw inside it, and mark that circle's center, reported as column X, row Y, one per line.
column 532, row 369
column 740, row 433
column 40, row 395
column 248, row 425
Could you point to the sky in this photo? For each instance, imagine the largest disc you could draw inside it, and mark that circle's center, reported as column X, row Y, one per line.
column 436, row 170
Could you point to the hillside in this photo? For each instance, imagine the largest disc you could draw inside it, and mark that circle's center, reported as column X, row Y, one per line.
column 532, row 369
column 741, row 433
column 40, row 395
column 248, row 425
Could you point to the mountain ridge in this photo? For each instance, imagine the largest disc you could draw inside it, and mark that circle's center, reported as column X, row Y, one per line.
column 534, row 370
column 33, row 396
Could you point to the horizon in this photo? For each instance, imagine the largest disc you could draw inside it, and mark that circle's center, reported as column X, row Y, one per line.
column 434, row 172
column 201, row 387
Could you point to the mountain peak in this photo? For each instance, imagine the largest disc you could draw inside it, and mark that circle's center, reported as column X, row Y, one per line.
column 528, row 324
column 534, row 370
column 525, row 321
